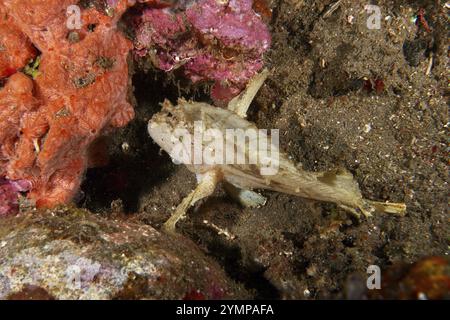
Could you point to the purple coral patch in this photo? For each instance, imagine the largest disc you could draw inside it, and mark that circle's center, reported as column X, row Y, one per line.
column 9, row 194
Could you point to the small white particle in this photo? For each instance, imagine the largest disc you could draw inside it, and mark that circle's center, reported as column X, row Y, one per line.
column 125, row 147
column 422, row 296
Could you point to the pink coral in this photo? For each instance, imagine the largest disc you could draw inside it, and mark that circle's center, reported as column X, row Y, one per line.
column 219, row 41
column 9, row 194
column 15, row 48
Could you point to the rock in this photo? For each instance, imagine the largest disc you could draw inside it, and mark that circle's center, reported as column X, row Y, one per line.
column 73, row 254
column 426, row 279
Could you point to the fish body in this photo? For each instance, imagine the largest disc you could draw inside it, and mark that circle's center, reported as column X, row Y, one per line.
column 220, row 145
column 337, row 186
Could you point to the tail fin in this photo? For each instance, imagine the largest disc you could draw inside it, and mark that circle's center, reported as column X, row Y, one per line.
column 344, row 184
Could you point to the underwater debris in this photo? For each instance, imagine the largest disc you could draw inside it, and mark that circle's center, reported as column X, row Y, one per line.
column 105, row 62
column 337, row 186
column 85, row 73
column 84, row 81
column 421, row 20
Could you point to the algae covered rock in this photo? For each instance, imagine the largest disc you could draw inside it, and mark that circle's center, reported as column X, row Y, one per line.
column 73, row 254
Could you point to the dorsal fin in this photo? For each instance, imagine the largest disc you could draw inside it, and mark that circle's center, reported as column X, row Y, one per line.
column 241, row 103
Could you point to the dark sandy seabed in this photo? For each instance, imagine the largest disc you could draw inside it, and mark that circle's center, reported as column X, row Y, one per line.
column 342, row 96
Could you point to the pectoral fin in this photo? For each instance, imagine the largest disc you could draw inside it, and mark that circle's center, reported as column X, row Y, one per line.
column 246, row 198
column 205, row 188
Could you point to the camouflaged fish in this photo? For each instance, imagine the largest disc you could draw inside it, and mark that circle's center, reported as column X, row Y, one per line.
column 336, row 186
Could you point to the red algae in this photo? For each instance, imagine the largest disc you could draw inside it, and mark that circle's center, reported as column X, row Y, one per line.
column 78, row 77
column 9, row 194
column 79, row 94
